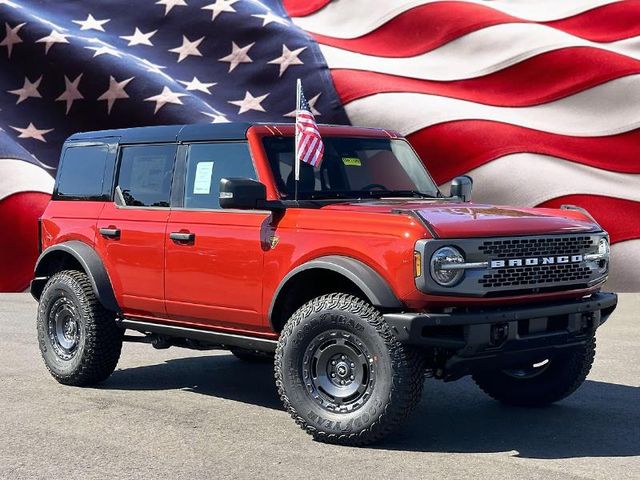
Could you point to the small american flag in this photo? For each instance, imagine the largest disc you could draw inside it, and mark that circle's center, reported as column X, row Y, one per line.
column 309, row 146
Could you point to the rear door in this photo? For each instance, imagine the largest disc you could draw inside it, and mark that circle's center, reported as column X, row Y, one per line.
column 131, row 236
column 214, row 257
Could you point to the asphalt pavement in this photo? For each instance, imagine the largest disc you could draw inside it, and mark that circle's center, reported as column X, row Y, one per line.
column 180, row 414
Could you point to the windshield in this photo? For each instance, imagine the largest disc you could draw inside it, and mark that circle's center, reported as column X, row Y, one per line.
column 352, row 168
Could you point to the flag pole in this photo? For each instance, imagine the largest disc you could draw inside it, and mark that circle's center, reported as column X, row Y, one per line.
column 297, row 158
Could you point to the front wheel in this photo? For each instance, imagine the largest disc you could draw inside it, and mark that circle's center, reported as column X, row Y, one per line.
column 342, row 374
column 541, row 383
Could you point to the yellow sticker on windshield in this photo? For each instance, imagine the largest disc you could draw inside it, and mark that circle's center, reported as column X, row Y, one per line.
column 351, row 161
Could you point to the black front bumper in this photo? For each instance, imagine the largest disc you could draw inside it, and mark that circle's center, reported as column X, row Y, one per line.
column 500, row 337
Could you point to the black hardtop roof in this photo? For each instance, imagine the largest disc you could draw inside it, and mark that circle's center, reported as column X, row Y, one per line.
column 181, row 133
column 170, row 133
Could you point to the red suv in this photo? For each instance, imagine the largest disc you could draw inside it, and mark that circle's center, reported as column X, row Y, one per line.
column 368, row 280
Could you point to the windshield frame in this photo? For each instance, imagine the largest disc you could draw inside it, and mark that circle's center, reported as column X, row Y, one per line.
column 345, row 195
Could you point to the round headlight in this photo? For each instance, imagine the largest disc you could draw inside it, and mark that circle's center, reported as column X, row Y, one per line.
column 603, row 246
column 441, row 262
column 603, row 249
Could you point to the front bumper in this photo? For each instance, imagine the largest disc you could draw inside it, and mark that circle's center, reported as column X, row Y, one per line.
column 500, row 337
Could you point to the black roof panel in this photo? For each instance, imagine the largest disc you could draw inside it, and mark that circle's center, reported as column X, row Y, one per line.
column 170, row 133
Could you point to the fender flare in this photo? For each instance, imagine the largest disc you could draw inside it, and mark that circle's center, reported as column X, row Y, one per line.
column 90, row 262
column 375, row 288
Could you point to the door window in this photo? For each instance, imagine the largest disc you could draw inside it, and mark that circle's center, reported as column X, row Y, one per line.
column 207, row 163
column 145, row 175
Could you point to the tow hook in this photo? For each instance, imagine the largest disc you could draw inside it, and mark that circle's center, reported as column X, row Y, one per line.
column 499, row 334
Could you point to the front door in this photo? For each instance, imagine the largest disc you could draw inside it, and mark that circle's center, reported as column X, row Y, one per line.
column 214, row 257
column 131, row 236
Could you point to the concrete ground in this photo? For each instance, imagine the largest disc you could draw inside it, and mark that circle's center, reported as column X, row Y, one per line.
column 180, row 414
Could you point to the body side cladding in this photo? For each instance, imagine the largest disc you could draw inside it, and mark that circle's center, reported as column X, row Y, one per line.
column 211, row 337
column 374, row 287
column 90, row 262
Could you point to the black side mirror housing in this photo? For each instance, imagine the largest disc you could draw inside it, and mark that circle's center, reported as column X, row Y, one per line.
column 242, row 193
column 461, row 187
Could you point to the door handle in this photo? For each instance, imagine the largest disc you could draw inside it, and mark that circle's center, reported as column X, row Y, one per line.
column 110, row 232
column 182, row 237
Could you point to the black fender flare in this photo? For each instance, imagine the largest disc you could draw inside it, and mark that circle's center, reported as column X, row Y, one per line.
column 90, row 262
column 374, row 287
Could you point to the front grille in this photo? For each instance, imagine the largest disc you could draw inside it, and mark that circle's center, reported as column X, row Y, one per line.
column 519, row 265
column 532, row 247
column 538, row 275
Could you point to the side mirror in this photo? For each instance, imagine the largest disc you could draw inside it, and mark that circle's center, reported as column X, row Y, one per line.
column 461, row 187
column 243, row 193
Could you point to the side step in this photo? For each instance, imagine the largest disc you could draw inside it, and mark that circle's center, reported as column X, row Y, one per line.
column 206, row 336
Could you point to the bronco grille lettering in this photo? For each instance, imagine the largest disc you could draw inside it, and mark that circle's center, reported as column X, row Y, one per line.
column 532, row 261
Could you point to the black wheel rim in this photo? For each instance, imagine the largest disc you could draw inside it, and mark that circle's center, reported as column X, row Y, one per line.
column 64, row 329
column 529, row 371
column 338, row 371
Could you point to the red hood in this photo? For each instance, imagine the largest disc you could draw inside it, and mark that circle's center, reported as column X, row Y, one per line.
column 463, row 220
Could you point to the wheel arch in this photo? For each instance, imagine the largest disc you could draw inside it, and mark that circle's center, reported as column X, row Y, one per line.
column 348, row 273
column 75, row 254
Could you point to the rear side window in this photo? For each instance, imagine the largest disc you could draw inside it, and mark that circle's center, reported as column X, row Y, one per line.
column 145, row 174
column 82, row 172
column 207, row 163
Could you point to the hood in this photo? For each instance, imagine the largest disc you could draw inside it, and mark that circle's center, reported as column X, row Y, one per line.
column 466, row 220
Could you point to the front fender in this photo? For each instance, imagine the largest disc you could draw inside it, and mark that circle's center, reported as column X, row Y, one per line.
column 374, row 287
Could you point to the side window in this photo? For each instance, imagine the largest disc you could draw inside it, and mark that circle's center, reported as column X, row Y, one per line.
column 145, row 174
column 207, row 163
column 82, row 172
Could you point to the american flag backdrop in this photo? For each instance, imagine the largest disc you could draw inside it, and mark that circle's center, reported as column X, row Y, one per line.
column 539, row 100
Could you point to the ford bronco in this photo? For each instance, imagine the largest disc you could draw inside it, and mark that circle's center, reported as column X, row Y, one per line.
column 368, row 281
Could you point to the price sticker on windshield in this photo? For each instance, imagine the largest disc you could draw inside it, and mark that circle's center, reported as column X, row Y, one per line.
column 352, row 161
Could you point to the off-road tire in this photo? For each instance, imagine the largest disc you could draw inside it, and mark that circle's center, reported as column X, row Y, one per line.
column 251, row 356
column 99, row 339
column 399, row 371
column 565, row 373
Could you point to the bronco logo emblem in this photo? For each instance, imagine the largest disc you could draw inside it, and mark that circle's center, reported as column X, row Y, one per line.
column 533, row 261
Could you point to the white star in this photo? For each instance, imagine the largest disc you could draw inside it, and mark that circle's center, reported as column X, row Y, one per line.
column 249, row 102
column 220, row 6
column 32, row 132
column 237, row 56
column 11, row 38
column 269, row 17
column 188, row 48
column 115, row 92
column 217, row 117
column 28, row 90
column 288, row 58
column 71, row 92
column 105, row 50
column 139, row 38
column 312, row 106
column 164, row 97
column 169, row 4
column 196, row 84
column 91, row 23
column 53, row 37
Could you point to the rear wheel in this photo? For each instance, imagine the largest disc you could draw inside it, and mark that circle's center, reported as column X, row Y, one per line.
column 342, row 374
column 79, row 340
column 541, row 383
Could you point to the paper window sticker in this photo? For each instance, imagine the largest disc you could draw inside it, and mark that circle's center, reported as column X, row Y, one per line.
column 351, row 161
column 202, row 182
